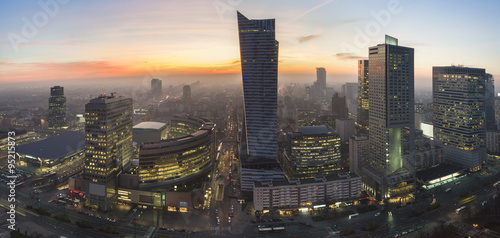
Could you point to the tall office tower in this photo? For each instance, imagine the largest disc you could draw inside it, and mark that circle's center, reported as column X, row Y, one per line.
column 108, row 147
column 497, row 111
column 391, row 116
column 186, row 93
column 156, row 87
column 321, row 82
column 259, row 68
column 339, row 106
column 57, row 108
column 490, row 103
column 350, row 91
column 459, row 114
column 312, row 151
column 362, row 115
column 308, row 93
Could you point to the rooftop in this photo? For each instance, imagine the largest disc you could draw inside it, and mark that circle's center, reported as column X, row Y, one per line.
column 150, row 125
column 55, row 147
column 317, row 179
column 314, row 130
column 438, row 172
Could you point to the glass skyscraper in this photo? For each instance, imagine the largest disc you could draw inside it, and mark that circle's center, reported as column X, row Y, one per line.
column 363, row 100
column 459, row 114
column 259, row 134
column 57, row 108
column 259, row 67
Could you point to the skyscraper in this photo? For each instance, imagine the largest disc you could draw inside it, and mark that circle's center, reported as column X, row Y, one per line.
column 156, row 87
column 259, row 134
column 490, row 103
column 363, row 100
column 391, row 116
column 57, row 108
column 321, row 82
column 459, row 114
column 259, row 66
column 339, row 107
column 108, row 147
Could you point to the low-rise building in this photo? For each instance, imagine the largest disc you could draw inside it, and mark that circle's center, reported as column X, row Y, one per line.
column 305, row 193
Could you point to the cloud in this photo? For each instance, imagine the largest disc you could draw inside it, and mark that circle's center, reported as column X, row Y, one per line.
column 304, row 39
column 348, row 56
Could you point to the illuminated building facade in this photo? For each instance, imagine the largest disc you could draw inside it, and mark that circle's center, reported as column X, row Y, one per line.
column 108, row 147
column 391, row 115
column 316, row 192
column 312, row 151
column 363, row 100
column 459, row 114
column 174, row 160
column 57, row 108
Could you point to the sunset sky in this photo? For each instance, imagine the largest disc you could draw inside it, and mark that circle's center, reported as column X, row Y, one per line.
column 101, row 39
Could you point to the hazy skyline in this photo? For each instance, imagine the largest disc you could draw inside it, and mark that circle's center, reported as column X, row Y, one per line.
column 179, row 39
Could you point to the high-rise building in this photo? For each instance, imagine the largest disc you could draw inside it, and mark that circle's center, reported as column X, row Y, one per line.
column 108, row 147
column 156, row 87
column 312, row 150
column 363, row 100
column 339, row 107
column 57, row 108
column 259, row 67
column 459, row 114
column 321, row 82
column 259, row 134
column 186, row 93
column 489, row 103
column 497, row 111
column 350, row 92
column 391, row 117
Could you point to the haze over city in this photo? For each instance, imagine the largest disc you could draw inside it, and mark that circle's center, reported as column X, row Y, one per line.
column 185, row 41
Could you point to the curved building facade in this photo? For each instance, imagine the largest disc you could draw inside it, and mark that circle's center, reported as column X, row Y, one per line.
column 167, row 162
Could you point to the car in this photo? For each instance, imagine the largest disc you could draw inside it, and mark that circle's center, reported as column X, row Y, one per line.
column 218, row 221
column 253, row 221
column 216, row 210
column 377, row 214
column 80, row 211
column 229, row 220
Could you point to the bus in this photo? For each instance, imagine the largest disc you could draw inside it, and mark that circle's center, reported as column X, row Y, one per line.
column 264, row 230
column 460, row 209
column 279, row 229
column 467, row 200
column 353, row 215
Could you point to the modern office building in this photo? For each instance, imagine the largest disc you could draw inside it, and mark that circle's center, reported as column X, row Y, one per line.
column 363, row 100
column 358, row 151
column 459, row 114
column 186, row 94
column 339, row 106
column 304, row 194
column 497, row 111
column 493, row 142
column 108, row 147
column 156, row 87
column 350, row 92
column 166, row 162
column 319, row 86
column 259, row 68
column 489, row 103
column 57, row 108
column 311, row 151
column 305, row 117
column 345, row 128
column 391, row 116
